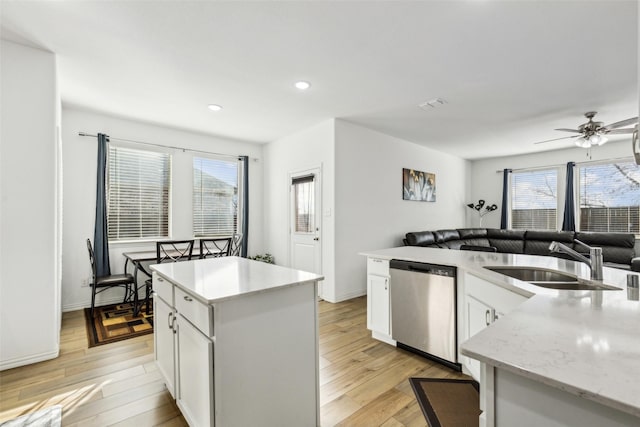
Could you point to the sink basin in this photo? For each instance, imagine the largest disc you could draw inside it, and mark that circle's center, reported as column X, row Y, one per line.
column 532, row 274
column 551, row 279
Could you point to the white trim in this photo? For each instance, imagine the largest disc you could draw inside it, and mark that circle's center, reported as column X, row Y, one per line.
column 348, row 296
column 28, row 360
column 87, row 304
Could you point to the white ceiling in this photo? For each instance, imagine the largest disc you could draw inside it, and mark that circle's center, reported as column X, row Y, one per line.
column 511, row 71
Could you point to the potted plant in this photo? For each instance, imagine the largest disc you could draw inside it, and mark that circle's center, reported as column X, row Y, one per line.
column 268, row 258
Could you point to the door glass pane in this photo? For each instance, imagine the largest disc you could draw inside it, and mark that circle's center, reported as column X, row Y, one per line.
column 304, row 207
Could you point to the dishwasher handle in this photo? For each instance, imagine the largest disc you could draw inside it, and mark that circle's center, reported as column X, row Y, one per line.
column 423, row 268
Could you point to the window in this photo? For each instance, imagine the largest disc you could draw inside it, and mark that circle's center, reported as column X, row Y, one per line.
column 609, row 197
column 304, row 204
column 215, row 197
column 534, row 200
column 138, row 185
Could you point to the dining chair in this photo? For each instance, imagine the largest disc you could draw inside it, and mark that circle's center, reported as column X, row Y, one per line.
column 236, row 245
column 169, row 251
column 215, row 248
column 174, row 250
column 102, row 283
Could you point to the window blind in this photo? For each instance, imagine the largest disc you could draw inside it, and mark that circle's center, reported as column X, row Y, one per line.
column 534, row 200
column 304, row 204
column 609, row 197
column 215, row 197
column 138, row 194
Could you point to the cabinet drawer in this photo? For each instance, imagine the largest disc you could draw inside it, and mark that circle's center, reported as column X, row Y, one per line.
column 163, row 288
column 199, row 314
column 378, row 266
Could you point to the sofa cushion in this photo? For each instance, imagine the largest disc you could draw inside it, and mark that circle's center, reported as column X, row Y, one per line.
column 537, row 242
column 616, row 247
column 506, row 241
column 472, row 233
column 478, row 248
column 420, row 238
column 446, row 235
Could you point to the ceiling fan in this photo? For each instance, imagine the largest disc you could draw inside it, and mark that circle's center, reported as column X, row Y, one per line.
column 593, row 133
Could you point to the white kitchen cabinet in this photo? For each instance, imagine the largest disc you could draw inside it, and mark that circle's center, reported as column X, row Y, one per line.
column 184, row 354
column 165, row 341
column 195, row 381
column 258, row 348
column 484, row 303
column 378, row 301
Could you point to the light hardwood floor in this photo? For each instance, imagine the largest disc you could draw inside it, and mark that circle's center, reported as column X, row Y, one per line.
column 363, row 382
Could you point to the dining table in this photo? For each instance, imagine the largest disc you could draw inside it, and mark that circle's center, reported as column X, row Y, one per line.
column 138, row 260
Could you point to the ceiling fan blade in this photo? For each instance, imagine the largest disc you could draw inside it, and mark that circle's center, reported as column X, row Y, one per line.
column 557, row 139
column 622, row 123
column 630, row 130
column 569, row 130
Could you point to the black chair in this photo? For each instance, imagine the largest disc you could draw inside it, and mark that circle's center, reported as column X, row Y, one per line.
column 215, row 248
column 236, row 245
column 174, row 250
column 102, row 283
column 169, row 251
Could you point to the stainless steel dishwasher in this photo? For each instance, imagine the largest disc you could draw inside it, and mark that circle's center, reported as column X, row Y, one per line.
column 423, row 310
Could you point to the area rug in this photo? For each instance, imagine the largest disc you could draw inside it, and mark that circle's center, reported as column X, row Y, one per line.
column 448, row 402
column 48, row 417
column 116, row 322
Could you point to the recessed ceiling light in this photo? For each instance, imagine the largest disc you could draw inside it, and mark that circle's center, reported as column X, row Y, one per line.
column 214, row 107
column 302, row 85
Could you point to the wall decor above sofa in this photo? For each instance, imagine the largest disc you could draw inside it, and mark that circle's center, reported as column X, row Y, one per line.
column 418, row 185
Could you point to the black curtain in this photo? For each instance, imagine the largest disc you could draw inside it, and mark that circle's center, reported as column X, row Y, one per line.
column 245, row 205
column 569, row 220
column 504, row 217
column 100, row 238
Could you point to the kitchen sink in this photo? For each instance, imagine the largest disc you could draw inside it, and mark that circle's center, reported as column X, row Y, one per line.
column 552, row 279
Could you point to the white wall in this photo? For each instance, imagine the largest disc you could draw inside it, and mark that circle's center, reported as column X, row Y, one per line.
column 79, row 154
column 486, row 183
column 312, row 147
column 29, row 220
column 370, row 211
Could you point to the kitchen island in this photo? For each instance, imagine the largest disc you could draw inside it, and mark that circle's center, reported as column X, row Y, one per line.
column 549, row 357
column 236, row 341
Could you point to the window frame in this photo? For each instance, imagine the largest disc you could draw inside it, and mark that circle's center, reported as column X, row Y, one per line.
column 578, row 188
column 240, row 194
column 144, row 239
column 511, row 198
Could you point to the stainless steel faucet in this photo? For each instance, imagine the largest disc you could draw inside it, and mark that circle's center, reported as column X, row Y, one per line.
column 594, row 261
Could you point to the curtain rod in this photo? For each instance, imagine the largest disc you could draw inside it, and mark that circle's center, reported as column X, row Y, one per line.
column 163, row 146
column 564, row 164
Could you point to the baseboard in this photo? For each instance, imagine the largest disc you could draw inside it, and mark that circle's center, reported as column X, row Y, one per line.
column 87, row 304
column 28, row 360
column 348, row 296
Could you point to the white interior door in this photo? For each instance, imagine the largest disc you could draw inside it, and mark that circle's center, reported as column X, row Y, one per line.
column 305, row 221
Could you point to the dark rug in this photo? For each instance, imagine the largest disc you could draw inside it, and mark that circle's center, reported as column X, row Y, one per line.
column 448, row 402
column 116, row 322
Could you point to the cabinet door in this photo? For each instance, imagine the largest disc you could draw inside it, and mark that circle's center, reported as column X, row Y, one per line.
column 164, row 342
column 478, row 317
column 378, row 303
column 195, row 375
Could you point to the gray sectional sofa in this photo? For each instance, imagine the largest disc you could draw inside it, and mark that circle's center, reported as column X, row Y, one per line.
column 617, row 248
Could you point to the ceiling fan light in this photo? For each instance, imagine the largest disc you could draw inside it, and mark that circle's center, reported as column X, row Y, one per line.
column 582, row 143
column 602, row 140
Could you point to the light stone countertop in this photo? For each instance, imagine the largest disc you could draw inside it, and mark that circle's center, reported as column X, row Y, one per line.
column 218, row 279
column 584, row 342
